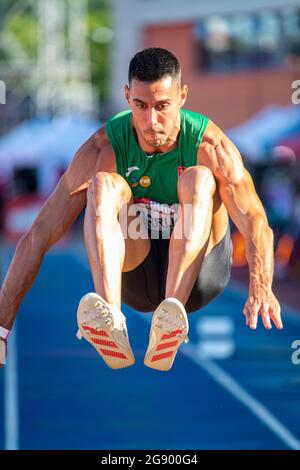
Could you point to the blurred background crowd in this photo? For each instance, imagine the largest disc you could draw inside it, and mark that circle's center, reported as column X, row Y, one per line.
column 63, row 66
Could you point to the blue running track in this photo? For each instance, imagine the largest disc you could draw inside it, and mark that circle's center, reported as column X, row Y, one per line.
column 229, row 388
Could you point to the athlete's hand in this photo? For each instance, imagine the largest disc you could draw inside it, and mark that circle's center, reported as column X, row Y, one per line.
column 262, row 301
column 3, row 351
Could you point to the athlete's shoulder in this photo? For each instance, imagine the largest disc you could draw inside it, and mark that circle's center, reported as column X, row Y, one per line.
column 122, row 115
column 100, row 138
column 118, row 126
column 218, row 153
column 193, row 127
column 213, row 134
column 194, row 122
column 187, row 113
column 119, row 121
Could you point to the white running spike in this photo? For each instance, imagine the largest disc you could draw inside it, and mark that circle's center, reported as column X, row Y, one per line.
column 154, row 357
column 79, row 335
column 111, row 323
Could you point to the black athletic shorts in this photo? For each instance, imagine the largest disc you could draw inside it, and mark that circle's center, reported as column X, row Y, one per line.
column 143, row 288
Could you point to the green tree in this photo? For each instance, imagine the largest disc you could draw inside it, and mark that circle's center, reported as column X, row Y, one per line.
column 23, row 26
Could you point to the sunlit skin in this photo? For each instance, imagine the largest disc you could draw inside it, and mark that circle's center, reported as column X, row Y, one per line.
column 216, row 187
column 155, row 112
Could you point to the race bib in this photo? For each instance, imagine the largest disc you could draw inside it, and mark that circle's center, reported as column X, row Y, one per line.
column 158, row 217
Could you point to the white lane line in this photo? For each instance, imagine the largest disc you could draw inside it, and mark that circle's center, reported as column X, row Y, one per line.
column 10, row 374
column 229, row 384
column 244, row 397
column 11, row 405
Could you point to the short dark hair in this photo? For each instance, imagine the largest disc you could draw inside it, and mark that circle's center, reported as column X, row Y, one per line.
column 153, row 64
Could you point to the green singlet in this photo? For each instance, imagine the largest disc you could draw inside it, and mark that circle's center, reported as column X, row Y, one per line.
column 155, row 176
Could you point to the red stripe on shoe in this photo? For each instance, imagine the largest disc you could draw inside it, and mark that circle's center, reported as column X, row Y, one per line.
column 166, row 345
column 161, row 356
column 104, row 342
column 95, row 332
column 106, row 352
column 171, row 335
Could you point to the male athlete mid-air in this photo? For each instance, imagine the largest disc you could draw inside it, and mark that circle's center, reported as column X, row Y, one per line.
column 158, row 182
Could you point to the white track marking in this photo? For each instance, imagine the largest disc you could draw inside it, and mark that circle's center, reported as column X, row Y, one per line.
column 10, row 373
column 244, row 397
column 228, row 383
column 11, row 408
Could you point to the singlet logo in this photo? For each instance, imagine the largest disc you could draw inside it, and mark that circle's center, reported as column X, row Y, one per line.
column 144, row 181
column 133, row 181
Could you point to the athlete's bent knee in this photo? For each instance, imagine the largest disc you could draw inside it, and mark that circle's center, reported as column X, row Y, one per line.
column 109, row 188
column 196, row 179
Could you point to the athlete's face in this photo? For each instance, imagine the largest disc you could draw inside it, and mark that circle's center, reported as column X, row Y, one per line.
column 155, row 109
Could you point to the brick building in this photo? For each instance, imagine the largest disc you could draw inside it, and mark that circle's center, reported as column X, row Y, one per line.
column 236, row 58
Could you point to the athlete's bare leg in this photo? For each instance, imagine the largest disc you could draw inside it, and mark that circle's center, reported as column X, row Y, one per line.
column 197, row 189
column 106, row 246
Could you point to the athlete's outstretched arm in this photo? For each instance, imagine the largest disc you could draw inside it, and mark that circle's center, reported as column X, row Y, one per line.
column 56, row 216
column 246, row 210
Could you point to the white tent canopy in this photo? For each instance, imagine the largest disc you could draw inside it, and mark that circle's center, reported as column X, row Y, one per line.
column 255, row 137
column 44, row 143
